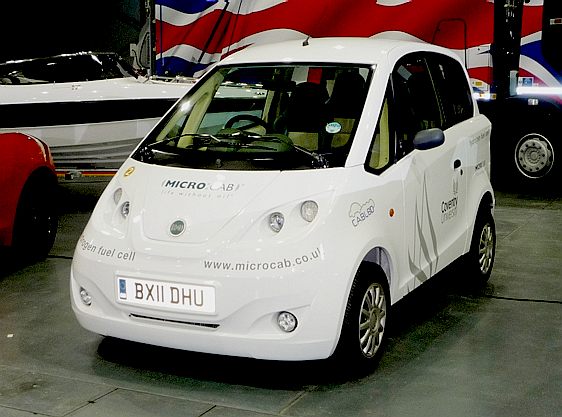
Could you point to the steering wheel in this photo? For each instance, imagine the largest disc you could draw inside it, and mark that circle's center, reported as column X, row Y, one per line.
column 255, row 121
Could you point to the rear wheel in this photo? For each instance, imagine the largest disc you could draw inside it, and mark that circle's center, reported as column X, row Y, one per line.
column 364, row 331
column 480, row 258
column 36, row 222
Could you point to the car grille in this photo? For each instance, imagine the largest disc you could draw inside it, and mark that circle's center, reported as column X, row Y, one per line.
column 188, row 323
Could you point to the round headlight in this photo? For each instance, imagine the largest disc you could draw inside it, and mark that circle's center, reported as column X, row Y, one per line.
column 117, row 195
column 125, row 209
column 309, row 210
column 276, row 221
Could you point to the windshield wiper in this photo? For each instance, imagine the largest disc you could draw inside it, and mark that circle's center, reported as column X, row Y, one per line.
column 318, row 160
column 201, row 136
column 146, row 151
column 234, row 145
column 221, row 140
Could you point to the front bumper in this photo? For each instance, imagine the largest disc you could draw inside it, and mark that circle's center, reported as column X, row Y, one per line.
column 244, row 322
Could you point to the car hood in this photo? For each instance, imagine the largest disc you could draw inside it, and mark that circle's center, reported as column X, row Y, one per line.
column 159, row 209
column 205, row 201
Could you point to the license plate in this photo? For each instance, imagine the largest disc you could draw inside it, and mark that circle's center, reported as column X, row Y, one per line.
column 170, row 295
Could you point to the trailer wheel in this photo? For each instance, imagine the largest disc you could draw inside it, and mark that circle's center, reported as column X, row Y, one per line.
column 534, row 156
column 364, row 331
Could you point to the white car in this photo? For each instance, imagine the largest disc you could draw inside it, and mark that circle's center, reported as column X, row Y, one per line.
column 283, row 224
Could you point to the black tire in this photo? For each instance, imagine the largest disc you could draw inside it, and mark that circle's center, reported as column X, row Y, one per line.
column 534, row 155
column 363, row 336
column 36, row 222
column 480, row 258
column 534, row 161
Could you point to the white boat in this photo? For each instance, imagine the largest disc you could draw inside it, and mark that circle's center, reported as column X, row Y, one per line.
column 92, row 109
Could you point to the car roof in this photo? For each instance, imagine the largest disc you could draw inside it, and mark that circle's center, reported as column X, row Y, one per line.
column 365, row 51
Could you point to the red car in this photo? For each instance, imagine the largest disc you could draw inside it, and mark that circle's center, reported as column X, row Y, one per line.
column 28, row 203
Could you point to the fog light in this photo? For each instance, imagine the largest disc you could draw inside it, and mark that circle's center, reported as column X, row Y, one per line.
column 276, row 221
column 286, row 321
column 85, row 296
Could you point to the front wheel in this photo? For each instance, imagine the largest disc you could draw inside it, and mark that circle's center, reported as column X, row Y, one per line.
column 364, row 330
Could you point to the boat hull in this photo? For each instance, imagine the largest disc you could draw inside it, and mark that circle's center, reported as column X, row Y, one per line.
column 88, row 125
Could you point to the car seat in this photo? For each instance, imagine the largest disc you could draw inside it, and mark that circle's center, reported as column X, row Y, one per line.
column 345, row 105
column 305, row 117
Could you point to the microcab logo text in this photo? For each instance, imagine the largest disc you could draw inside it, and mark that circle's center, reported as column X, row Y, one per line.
column 200, row 185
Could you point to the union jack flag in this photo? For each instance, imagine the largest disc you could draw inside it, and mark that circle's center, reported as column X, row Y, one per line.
column 191, row 35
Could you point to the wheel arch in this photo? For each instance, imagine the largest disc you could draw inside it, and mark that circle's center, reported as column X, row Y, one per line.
column 43, row 176
column 486, row 202
column 41, row 173
column 519, row 106
column 379, row 256
column 377, row 259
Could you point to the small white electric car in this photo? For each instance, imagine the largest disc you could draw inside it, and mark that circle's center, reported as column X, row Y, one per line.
column 294, row 194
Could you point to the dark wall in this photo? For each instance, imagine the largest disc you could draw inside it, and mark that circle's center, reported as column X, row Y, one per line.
column 41, row 28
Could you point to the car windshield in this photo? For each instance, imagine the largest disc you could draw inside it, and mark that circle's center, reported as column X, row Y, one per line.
column 82, row 66
column 267, row 117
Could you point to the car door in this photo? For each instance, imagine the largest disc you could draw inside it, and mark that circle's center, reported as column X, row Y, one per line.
column 434, row 183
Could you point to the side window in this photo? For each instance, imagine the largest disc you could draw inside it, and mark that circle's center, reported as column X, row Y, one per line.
column 453, row 89
column 417, row 105
column 382, row 146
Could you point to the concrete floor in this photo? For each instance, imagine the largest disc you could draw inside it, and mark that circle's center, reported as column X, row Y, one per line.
column 452, row 352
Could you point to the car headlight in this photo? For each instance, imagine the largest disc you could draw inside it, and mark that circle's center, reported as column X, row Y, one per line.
column 309, row 210
column 125, row 207
column 276, row 221
column 117, row 194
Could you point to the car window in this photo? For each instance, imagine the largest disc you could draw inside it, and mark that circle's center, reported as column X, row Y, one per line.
column 382, row 145
column 264, row 117
column 417, row 105
column 453, row 89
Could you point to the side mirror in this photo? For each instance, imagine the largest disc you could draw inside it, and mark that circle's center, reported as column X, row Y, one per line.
column 429, row 139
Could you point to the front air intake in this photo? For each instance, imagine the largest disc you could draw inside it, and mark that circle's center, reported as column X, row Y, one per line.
column 187, row 323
